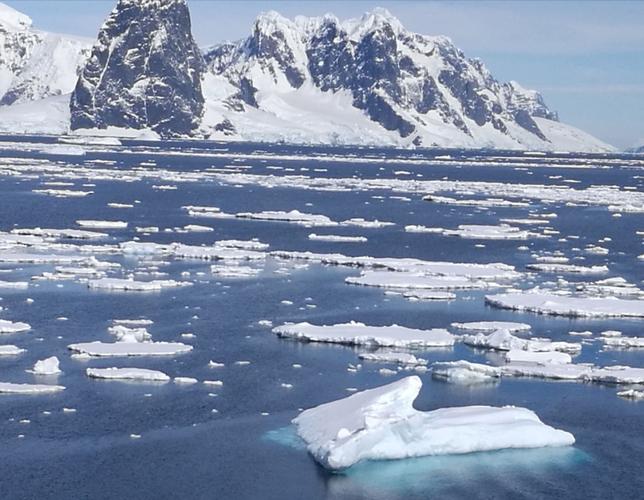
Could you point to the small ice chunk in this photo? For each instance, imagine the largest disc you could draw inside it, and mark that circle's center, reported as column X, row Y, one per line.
column 48, row 366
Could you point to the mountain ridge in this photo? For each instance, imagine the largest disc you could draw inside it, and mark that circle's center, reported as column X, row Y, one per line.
column 307, row 80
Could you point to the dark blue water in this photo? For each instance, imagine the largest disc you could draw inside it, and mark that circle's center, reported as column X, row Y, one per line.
column 186, row 450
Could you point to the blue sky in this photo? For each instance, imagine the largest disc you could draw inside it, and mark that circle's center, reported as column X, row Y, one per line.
column 585, row 57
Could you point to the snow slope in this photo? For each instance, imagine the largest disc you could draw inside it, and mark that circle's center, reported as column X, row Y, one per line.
column 35, row 64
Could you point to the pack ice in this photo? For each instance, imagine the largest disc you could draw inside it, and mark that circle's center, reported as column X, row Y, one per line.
column 382, row 424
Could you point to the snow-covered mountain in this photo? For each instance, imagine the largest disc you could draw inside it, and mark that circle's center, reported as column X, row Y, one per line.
column 308, row 80
column 370, row 80
column 35, row 64
column 144, row 71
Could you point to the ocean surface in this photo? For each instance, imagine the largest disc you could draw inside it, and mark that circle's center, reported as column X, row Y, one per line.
column 247, row 448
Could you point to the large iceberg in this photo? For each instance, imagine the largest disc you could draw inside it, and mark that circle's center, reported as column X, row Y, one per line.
column 382, row 424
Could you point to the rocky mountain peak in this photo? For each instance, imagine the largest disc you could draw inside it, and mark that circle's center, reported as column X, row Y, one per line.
column 144, row 71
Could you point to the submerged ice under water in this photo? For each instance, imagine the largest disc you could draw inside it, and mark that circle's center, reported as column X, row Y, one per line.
column 218, row 425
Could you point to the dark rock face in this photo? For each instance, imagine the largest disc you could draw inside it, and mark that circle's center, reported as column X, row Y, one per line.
column 144, row 71
column 396, row 77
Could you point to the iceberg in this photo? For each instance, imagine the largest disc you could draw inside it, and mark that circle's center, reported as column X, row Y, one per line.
column 382, row 424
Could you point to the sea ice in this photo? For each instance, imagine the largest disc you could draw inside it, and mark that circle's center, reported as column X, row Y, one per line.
column 48, row 366
column 548, row 303
column 355, row 333
column 382, row 424
column 103, row 349
column 141, row 374
column 9, row 388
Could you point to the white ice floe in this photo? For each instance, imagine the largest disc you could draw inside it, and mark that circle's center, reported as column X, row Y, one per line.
column 401, row 358
column 10, row 388
column 48, row 366
column 623, row 342
column 113, row 349
column 63, row 234
column 567, row 268
column 404, row 280
column 543, row 302
column 140, row 374
column 337, row 238
column 382, row 424
column 488, row 272
column 464, row 372
column 581, row 372
column 503, row 340
column 492, row 326
column 234, row 271
column 541, row 357
column 7, row 326
column 428, row 295
column 631, row 394
column 355, row 333
column 14, row 285
column 484, row 232
column 185, row 380
column 196, row 228
column 130, row 285
column 64, row 193
column 127, row 334
column 10, row 350
column 294, row 216
column 102, row 224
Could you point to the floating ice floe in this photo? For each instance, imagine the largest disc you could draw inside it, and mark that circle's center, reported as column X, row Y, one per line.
column 428, row 295
column 64, row 234
column 234, row 271
column 103, row 224
column 337, row 238
column 503, row 340
column 464, row 372
column 382, row 424
column 294, row 216
column 63, row 193
column 10, row 350
column 567, row 268
column 631, row 394
column 130, row 285
column 405, row 280
column 48, row 366
column 623, row 342
column 492, row 326
column 127, row 334
column 7, row 326
column 14, row 285
column 541, row 357
column 114, row 349
column 483, row 232
column 401, row 358
column 492, row 271
column 570, row 371
column 10, row 388
column 558, row 305
column 196, row 228
column 355, row 333
column 140, row 374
